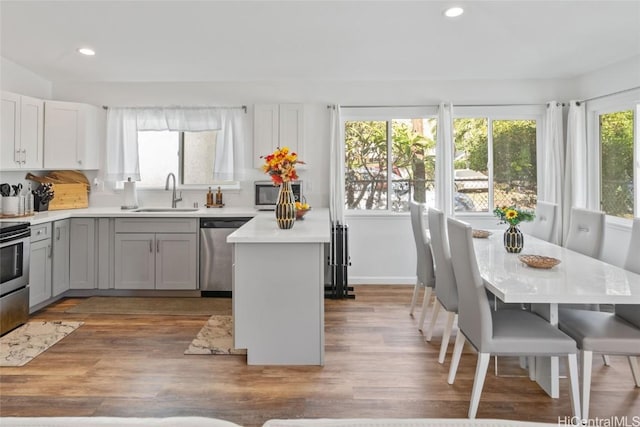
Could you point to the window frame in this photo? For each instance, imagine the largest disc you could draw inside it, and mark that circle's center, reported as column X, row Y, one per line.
column 493, row 113
column 224, row 185
column 387, row 114
column 595, row 108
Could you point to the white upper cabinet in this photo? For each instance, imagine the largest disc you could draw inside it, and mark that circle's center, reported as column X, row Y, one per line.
column 72, row 134
column 277, row 125
column 22, row 127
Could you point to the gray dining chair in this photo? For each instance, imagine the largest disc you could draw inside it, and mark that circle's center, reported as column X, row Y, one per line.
column 425, row 276
column 586, row 232
column 544, row 224
column 446, row 290
column 586, row 236
column 498, row 332
column 615, row 333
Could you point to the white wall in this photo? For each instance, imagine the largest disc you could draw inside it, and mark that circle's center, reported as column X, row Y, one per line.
column 610, row 79
column 14, row 78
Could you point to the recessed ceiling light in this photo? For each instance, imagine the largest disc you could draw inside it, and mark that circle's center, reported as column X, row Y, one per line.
column 452, row 12
column 86, row 51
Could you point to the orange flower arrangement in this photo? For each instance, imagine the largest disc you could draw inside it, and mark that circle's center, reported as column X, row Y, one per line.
column 280, row 165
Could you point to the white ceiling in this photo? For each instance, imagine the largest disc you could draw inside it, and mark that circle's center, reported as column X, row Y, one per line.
column 184, row 41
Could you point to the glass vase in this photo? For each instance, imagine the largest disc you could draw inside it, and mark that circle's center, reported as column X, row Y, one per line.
column 285, row 207
column 513, row 240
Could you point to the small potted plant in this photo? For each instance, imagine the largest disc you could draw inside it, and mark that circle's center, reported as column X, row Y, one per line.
column 513, row 238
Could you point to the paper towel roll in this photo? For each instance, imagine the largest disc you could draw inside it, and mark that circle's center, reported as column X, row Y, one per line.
column 130, row 195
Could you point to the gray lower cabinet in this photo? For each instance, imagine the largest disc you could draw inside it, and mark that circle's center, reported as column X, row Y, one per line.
column 60, row 252
column 166, row 259
column 40, row 264
column 83, row 271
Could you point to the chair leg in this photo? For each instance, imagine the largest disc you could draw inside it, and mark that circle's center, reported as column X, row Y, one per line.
column 586, row 361
column 425, row 303
column 434, row 317
column 605, row 360
column 478, row 382
column 451, row 316
column 635, row 371
column 531, row 364
column 414, row 297
column 455, row 359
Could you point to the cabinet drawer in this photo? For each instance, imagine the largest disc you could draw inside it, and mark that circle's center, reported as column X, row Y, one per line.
column 40, row 232
column 164, row 225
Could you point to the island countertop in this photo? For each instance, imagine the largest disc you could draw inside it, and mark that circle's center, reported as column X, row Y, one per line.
column 314, row 228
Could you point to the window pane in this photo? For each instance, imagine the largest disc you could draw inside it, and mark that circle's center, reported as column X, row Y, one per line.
column 366, row 164
column 413, row 171
column 198, row 157
column 514, row 163
column 158, row 151
column 616, row 142
column 471, row 180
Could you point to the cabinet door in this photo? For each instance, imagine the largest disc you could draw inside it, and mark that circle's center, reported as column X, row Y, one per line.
column 63, row 121
column 10, row 131
column 31, row 132
column 134, row 261
column 82, row 274
column 176, row 261
column 60, row 257
column 291, row 127
column 40, row 272
column 265, row 131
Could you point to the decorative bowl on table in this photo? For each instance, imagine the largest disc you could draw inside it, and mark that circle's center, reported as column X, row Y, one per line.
column 539, row 261
column 302, row 209
column 300, row 213
column 480, row 234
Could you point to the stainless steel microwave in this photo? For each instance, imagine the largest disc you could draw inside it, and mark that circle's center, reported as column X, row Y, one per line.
column 266, row 194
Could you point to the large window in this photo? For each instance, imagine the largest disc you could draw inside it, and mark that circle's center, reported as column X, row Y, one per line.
column 389, row 162
column 616, row 137
column 495, row 163
column 190, row 156
column 390, row 159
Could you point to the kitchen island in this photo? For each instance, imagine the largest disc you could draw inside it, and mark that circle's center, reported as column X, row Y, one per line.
column 278, row 289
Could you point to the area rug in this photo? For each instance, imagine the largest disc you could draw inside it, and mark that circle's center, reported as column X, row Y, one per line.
column 179, row 306
column 22, row 345
column 216, row 337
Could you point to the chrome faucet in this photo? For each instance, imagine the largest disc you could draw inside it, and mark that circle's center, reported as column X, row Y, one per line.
column 174, row 200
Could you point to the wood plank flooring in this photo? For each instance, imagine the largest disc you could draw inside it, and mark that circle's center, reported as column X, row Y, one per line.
column 377, row 364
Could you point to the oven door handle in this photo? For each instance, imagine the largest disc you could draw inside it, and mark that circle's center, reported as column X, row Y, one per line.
column 14, row 236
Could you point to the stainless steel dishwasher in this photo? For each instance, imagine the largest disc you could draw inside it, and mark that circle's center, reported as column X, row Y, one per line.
column 215, row 255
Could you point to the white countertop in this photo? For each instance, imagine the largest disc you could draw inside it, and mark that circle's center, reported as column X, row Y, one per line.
column 314, row 228
column 48, row 216
column 578, row 279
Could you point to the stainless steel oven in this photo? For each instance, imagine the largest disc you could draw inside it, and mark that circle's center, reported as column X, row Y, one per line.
column 14, row 274
column 266, row 194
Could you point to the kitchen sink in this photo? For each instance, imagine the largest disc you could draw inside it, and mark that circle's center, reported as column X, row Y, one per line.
column 167, row 210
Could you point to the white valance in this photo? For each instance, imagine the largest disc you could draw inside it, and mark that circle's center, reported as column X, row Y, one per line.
column 123, row 125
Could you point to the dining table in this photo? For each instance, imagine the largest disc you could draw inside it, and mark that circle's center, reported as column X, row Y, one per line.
column 576, row 279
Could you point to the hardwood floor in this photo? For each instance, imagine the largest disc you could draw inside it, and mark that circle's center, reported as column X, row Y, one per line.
column 377, row 364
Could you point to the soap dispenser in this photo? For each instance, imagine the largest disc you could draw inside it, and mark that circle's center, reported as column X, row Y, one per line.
column 219, row 197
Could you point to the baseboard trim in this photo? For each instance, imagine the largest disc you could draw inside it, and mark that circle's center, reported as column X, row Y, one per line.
column 393, row 280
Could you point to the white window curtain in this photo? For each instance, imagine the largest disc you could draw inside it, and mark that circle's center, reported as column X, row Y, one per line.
column 444, row 159
column 336, row 166
column 122, row 145
column 123, row 125
column 553, row 163
column 576, row 166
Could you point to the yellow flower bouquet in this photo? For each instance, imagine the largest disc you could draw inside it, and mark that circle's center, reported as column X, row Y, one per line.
column 512, row 215
column 280, row 165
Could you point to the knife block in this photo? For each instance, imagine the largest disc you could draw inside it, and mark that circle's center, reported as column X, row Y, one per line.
column 39, row 205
